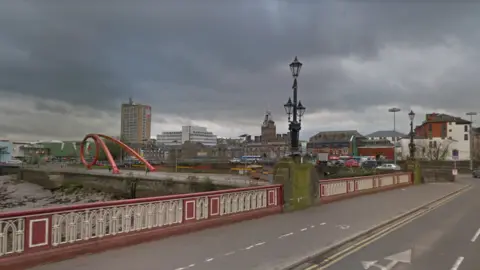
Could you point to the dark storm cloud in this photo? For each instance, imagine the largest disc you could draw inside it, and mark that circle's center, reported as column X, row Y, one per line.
column 213, row 59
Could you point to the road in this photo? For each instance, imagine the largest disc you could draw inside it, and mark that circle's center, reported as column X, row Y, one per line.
column 444, row 238
column 273, row 242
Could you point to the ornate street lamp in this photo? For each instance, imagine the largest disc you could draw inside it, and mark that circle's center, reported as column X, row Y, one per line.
column 411, row 145
column 295, row 109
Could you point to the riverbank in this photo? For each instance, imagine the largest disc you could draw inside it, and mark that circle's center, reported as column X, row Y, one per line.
column 18, row 195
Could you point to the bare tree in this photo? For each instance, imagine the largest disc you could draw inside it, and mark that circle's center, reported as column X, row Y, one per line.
column 433, row 149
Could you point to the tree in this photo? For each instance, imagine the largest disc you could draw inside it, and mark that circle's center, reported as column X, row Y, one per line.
column 433, row 149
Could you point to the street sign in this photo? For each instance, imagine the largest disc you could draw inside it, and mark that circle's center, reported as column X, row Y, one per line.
column 401, row 257
column 455, row 154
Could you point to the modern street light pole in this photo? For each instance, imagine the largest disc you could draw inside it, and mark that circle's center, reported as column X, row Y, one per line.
column 394, row 110
column 411, row 145
column 471, row 114
column 294, row 108
column 176, row 155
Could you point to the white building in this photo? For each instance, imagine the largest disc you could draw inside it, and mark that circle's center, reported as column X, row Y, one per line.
column 389, row 135
column 188, row 133
column 438, row 136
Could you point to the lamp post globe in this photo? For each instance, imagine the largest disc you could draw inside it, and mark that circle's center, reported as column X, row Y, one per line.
column 411, row 115
column 301, row 110
column 411, row 145
column 295, row 67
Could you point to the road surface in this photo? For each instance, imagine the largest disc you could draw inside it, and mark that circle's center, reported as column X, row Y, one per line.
column 270, row 243
column 445, row 238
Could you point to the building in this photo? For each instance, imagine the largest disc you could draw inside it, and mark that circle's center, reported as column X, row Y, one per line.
column 476, row 144
column 269, row 144
column 337, row 143
column 389, row 135
column 136, row 121
column 438, row 135
column 378, row 148
column 6, row 148
column 382, row 143
column 194, row 134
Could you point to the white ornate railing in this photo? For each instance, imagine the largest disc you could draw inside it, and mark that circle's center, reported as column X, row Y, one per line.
column 331, row 189
column 56, row 227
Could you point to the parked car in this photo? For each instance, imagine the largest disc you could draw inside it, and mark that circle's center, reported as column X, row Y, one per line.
column 476, row 173
column 352, row 163
column 389, row 166
column 369, row 164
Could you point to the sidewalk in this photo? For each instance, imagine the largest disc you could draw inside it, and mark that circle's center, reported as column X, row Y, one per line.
column 269, row 243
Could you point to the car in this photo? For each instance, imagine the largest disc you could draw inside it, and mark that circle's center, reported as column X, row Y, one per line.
column 389, row 166
column 369, row 164
column 352, row 163
column 14, row 161
column 476, row 173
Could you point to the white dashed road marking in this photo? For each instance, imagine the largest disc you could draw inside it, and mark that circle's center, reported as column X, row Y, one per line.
column 474, row 238
column 457, row 263
column 285, row 235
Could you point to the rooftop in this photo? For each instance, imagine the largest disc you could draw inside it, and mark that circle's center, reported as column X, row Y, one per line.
column 334, row 136
column 441, row 117
column 385, row 133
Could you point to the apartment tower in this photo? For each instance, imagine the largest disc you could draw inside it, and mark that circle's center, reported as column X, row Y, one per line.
column 136, row 123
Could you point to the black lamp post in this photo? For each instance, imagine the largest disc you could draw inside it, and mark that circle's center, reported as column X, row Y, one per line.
column 411, row 145
column 295, row 109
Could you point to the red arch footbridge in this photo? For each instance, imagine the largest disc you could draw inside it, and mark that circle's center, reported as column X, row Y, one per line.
column 100, row 143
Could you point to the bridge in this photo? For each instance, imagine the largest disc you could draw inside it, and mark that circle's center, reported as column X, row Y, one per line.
column 177, row 232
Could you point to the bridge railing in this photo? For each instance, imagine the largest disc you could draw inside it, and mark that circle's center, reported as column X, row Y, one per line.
column 86, row 227
column 335, row 189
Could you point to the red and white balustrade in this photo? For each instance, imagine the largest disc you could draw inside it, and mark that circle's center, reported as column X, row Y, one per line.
column 49, row 229
column 333, row 189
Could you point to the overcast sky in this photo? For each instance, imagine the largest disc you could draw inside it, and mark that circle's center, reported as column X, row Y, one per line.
column 66, row 66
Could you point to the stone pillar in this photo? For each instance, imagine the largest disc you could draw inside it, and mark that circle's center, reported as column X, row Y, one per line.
column 300, row 183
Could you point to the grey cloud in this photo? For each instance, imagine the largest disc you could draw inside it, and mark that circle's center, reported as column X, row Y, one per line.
column 219, row 60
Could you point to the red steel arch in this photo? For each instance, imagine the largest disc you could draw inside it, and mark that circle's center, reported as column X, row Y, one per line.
column 97, row 138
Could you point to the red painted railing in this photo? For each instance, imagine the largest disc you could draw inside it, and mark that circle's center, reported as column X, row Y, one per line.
column 54, row 229
column 348, row 187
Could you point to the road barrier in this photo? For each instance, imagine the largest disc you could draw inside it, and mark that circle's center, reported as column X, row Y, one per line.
column 32, row 237
column 336, row 189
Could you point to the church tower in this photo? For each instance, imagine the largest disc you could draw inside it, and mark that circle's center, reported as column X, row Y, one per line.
column 269, row 130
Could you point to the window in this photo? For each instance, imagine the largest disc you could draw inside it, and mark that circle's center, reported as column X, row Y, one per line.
column 430, row 144
column 465, row 137
column 465, row 128
column 434, row 144
column 430, row 127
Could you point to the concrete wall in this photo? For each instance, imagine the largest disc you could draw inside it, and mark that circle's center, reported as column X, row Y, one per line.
column 118, row 185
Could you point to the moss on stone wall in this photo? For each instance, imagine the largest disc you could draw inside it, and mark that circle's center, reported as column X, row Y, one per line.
column 298, row 183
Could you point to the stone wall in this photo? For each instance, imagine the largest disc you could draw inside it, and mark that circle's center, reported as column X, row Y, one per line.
column 121, row 186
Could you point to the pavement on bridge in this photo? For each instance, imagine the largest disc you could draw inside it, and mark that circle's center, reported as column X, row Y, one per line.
column 273, row 242
column 445, row 238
